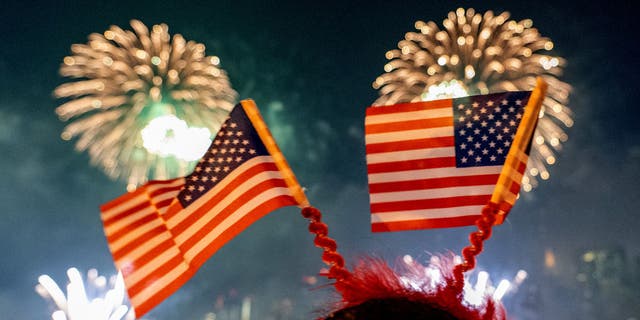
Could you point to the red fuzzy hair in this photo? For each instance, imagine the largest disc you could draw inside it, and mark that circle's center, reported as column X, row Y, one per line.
column 373, row 279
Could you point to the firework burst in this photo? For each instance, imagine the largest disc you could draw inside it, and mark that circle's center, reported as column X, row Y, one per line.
column 97, row 298
column 479, row 54
column 126, row 79
column 430, row 276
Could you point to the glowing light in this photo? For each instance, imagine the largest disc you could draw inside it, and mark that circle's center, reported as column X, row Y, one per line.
column 104, row 303
column 481, row 283
column 155, row 60
column 549, row 259
column 69, row 61
column 446, row 89
column 520, row 277
column 492, row 54
column 589, row 256
column 118, row 79
column 475, row 295
column 551, row 159
column 469, row 72
column 407, row 259
column 109, row 35
column 544, row 175
column 210, row 316
column 429, row 277
column 58, row 315
column 454, row 59
column 434, row 274
column 503, row 286
column 52, row 291
column 310, row 280
column 170, row 136
column 548, row 45
column 245, row 311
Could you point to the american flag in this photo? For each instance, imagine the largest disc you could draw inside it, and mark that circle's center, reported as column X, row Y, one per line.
column 435, row 164
column 163, row 232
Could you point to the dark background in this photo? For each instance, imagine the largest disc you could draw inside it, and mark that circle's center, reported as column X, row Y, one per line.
column 309, row 66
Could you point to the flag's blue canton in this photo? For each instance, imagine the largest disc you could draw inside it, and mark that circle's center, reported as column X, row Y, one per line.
column 484, row 127
column 236, row 142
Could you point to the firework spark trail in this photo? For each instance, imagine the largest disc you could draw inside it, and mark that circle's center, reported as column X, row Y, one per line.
column 429, row 276
column 124, row 79
column 95, row 299
column 481, row 53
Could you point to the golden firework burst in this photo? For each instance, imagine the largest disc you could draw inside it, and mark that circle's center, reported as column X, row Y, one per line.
column 123, row 81
column 479, row 54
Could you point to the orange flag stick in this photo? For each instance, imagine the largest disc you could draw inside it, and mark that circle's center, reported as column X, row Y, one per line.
column 507, row 188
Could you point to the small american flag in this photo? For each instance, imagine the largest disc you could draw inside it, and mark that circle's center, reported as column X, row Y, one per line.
column 435, row 164
column 163, row 232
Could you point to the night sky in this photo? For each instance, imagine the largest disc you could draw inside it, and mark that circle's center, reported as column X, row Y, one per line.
column 309, row 67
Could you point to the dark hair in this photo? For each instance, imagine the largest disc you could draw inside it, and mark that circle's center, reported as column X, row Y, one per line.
column 392, row 308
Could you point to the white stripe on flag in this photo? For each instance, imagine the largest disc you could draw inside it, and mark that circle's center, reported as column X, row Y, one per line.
column 425, row 214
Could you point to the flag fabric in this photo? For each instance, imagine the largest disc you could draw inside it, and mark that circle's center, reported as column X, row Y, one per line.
column 163, row 232
column 435, row 164
column 137, row 234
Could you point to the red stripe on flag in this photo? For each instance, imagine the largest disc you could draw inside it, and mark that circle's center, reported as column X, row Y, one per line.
column 408, row 107
column 410, row 145
column 424, row 224
column 514, row 188
column 434, row 183
column 411, row 165
column 522, row 166
column 448, row 202
column 408, row 125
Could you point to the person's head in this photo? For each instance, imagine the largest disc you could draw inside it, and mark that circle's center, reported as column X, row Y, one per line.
column 394, row 308
column 373, row 290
